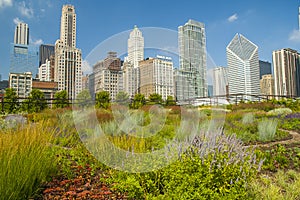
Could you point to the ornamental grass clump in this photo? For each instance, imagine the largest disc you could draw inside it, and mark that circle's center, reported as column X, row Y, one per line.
column 267, row 129
column 26, row 160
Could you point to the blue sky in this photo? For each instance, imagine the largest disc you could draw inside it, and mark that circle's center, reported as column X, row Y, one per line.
column 269, row 24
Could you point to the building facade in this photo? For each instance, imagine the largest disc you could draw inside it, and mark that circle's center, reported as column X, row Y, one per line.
column 243, row 67
column 267, row 85
column 21, row 83
column 45, row 71
column 265, row 68
column 22, row 34
column 45, row 52
column 68, row 58
column 131, row 79
column 220, row 81
column 108, row 75
column 191, row 80
column 286, row 63
column 135, row 47
column 156, row 76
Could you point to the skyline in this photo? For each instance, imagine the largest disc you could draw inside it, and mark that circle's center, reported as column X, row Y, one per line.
column 93, row 28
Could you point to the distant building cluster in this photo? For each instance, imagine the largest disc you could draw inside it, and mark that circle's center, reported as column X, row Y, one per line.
column 56, row 67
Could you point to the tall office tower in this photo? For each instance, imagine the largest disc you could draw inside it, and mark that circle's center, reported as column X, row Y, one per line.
column 131, row 80
column 46, row 50
column 265, row 68
column 157, row 77
column 286, row 63
column 220, row 81
column 243, row 67
column 135, row 47
column 23, row 56
column 267, row 85
column 68, row 59
column 22, row 34
column 191, row 80
column 108, row 75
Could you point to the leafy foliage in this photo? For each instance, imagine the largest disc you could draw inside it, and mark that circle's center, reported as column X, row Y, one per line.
column 61, row 99
column 11, row 104
column 103, row 99
column 138, row 101
column 84, row 99
column 155, row 98
column 35, row 103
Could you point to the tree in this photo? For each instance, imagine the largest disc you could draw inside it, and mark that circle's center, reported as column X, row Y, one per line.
column 122, row 98
column 155, row 98
column 11, row 104
column 61, row 99
column 36, row 102
column 103, row 99
column 84, row 99
column 138, row 101
column 170, row 101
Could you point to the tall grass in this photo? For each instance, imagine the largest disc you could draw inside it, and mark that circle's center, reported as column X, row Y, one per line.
column 267, row 129
column 26, row 160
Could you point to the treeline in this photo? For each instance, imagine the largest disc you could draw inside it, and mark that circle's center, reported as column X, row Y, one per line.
column 36, row 102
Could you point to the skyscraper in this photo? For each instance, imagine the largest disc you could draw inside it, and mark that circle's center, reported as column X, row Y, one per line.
column 22, row 34
column 286, row 63
column 220, row 81
column 264, row 68
column 243, row 66
column 46, row 50
column 68, row 59
column 135, row 47
column 23, row 56
column 191, row 80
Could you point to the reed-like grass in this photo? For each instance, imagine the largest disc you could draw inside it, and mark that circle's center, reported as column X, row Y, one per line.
column 26, row 160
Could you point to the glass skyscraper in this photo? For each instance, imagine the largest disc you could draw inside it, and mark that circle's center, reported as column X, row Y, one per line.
column 23, row 56
column 190, row 79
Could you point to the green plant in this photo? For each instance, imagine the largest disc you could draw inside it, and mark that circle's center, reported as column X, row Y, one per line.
column 103, row 99
column 280, row 111
column 138, row 101
column 26, row 160
column 35, row 103
column 61, row 99
column 267, row 129
column 11, row 104
column 84, row 99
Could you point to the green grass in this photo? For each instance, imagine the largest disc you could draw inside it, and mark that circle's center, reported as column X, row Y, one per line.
column 26, row 160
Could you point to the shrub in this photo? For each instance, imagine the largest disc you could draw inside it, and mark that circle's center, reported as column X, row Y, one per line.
column 280, row 111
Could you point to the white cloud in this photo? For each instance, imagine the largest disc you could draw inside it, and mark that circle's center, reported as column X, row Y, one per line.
column 233, row 18
column 37, row 42
column 17, row 20
column 295, row 36
column 5, row 3
column 24, row 10
column 86, row 67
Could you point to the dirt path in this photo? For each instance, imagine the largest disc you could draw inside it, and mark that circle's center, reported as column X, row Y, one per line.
column 295, row 139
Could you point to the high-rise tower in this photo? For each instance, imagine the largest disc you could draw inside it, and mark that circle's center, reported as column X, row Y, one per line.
column 68, row 58
column 22, row 34
column 135, row 47
column 243, row 66
column 191, row 80
column 286, row 63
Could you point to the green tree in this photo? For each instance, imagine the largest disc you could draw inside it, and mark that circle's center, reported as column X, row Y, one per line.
column 84, row 99
column 11, row 104
column 36, row 102
column 138, row 101
column 155, row 98
column 61, row 99
column 170, row 101
column 122, row 98
column 103, row 99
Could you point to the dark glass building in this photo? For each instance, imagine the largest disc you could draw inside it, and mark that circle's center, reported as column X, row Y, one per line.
column 264, row 68
column 46, row 50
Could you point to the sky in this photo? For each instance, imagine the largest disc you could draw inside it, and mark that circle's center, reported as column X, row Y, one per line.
column 271, row 25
